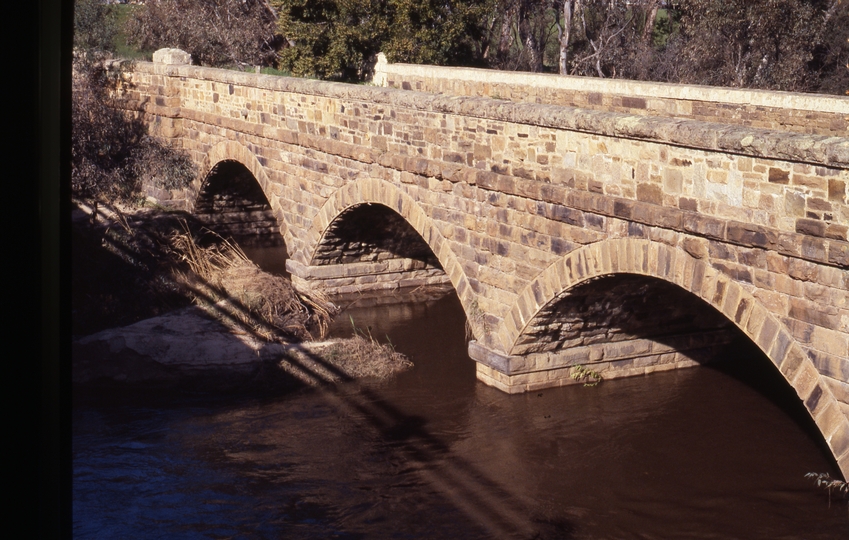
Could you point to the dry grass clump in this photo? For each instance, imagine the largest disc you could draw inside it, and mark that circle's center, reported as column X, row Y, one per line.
column 128, row 267
column 362, row 357
column 357, row 357
column 222, row 280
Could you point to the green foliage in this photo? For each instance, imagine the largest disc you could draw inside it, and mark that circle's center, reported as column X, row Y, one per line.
column 339, row 39
column 579, row 373
column 95, row 26
column 666, row 25
column 436, row 32
column 330, row 39
column 276, row 72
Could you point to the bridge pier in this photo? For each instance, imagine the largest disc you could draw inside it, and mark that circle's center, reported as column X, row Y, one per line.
column 357, row 277
column 610, row 360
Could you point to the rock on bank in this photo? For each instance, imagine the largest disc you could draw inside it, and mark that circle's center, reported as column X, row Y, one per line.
column 189, row 344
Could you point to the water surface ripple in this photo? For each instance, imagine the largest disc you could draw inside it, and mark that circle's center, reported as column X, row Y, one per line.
column 697, row 453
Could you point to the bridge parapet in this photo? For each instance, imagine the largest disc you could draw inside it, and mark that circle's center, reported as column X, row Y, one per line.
column 788, row 111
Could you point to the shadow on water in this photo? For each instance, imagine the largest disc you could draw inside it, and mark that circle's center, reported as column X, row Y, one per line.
column 488, row 504
column 744, row 362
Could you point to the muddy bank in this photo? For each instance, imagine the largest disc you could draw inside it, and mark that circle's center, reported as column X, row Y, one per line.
column 190, row 344
column 191, row 309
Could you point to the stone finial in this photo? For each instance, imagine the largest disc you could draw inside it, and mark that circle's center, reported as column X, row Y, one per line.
column 171, row 56
column 380, row 70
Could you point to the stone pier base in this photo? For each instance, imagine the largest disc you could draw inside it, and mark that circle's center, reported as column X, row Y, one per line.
column 336, row 279
column 612, row 360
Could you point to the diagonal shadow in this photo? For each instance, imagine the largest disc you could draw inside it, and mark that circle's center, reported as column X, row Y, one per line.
column 485, row 501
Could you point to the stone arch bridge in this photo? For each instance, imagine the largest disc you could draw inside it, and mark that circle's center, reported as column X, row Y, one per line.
column 617, row 226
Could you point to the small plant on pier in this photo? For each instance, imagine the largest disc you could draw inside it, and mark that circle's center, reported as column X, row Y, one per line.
column 579, row 373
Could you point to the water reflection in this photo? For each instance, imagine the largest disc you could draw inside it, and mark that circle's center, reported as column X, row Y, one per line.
column 695, row 453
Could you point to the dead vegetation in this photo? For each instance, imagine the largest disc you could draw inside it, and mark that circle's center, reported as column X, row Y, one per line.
column 339, row 360
column 229, row 286
column 129, row 266
column 134, row 265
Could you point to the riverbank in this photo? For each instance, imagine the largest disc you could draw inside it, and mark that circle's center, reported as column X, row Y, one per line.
column 159, row 300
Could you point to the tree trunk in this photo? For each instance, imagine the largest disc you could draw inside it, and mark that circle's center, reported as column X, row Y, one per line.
column 506, row 35
column 565, row 34
column 651, row 17
column 529, row 40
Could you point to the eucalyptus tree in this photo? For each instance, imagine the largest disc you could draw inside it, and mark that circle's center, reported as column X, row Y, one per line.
column 796, row 45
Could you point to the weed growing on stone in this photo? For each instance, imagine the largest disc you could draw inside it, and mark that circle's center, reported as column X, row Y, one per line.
column 476, row 315
column 579, row 372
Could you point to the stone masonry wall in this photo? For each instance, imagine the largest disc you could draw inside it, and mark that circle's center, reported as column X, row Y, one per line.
column 512, row 192
column 506, row 193
column 525, row 191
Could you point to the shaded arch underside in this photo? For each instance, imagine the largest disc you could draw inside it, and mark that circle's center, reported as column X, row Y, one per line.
column 534, row 314
column 630, row 314
column 233, row 196
column 371, row 235
column 232, row 203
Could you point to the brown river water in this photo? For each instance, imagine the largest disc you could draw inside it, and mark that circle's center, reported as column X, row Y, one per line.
column 707, row 452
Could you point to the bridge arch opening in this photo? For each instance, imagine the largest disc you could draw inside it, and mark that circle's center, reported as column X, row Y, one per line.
column 371, row 247
column 232, row 203
column 629, row 324
column 542, row 304
column 618, row 317
column 369, row 233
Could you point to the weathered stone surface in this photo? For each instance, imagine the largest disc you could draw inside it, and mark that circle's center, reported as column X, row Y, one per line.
column 166, row 347
column 171, row 56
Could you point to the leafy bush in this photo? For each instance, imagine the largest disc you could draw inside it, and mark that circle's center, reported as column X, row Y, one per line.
column 95, row 25
column 112, row 155
column 339, row 39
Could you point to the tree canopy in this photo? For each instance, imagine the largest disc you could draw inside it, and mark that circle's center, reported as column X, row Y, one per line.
column 339, row 39
column 796, row 45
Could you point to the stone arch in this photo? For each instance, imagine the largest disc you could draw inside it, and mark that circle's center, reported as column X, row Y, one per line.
column 231, row 152
column 234, row 151
column 739, row 306
column 375, row 191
